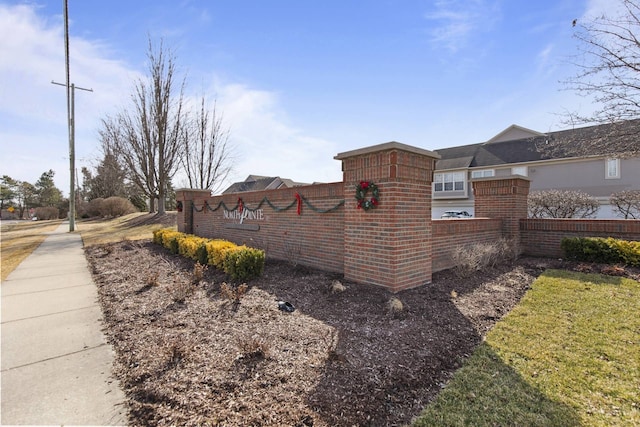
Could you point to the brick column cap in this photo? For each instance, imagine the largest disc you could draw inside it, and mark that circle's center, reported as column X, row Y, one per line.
column 393, row 145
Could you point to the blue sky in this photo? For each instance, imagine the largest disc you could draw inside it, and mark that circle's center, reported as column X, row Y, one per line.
column 298, row 81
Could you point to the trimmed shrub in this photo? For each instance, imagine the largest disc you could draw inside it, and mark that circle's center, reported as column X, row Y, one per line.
column 157, row 235
column 244, row 263
column 601, row 250
column 94, row 207
column 240, row 262
column 47, row 212
column 189, row 245
column 116, row 206
column 217, row 252
column 629, row 251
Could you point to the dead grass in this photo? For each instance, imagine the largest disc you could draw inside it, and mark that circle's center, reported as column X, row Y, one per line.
column 136, row 226
column 19, row 240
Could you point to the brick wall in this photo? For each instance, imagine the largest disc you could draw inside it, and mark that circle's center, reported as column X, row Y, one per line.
column 312, row 238
column 542, row 237
column 450, row 233
column 397, row 244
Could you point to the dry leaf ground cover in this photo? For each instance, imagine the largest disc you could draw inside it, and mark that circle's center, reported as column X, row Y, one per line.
column 186, row 354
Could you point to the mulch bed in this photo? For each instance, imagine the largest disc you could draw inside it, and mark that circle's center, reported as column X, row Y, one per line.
column 188, row 354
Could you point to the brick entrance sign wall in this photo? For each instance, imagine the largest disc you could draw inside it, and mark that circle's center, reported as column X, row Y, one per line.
column 320, row 225
column 392, row 245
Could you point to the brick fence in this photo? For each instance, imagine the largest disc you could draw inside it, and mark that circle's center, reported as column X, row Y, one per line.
column 396, row 244
column 542, row 237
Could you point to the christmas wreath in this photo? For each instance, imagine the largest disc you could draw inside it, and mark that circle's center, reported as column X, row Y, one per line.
column 361, row 195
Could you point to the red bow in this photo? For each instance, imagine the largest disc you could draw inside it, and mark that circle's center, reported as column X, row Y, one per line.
column 240, row 207
column 299, row 199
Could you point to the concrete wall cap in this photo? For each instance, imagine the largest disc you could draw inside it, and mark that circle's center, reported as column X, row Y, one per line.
column 393, row 145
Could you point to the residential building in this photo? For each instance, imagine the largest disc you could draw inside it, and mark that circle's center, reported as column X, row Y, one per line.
column 521, row 151
column 258, row 183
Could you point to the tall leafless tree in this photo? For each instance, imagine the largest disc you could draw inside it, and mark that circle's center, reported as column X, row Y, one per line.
column 207, row 159
column 149, row 136
column 608, row 63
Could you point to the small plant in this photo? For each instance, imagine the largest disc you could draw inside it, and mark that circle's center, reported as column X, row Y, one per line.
column 477, row 256
column 202, row 255
column 176, row 351
column 253, row 348
column 181, row 290
column 151, row 279
column 292, row 253
column 336, row 287
column 198, row 273
column 395, row 306
column 107, row 248
column 233, row 293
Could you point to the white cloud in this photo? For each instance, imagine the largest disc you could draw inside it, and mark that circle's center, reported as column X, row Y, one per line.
column 33, row 131
column 267, row 144
column 457, row 21
column 544, row 59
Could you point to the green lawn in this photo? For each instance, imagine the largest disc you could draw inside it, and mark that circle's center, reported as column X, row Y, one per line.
column 567, row 355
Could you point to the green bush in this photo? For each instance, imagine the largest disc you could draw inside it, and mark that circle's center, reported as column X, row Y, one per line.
column 157, row 235
column 629, row 251
column 244, row 263
column 601, row 250
column 239, row 262
column 202, row 254
column 189, row 246
column 217, row 251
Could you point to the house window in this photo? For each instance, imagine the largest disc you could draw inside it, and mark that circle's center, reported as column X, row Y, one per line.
column 484, row 173
column 519, row 170
column 613, row 169
column 449, row 181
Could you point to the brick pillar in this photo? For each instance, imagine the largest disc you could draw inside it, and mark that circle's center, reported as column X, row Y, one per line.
column 186, row 196
column 390, row 245
column 503, row 197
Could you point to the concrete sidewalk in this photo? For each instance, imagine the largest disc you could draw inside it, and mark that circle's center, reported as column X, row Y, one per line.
column 56, row 364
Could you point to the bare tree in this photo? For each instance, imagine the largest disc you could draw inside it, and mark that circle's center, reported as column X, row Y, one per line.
column 149, row 137
column 626, row 203
column 608, row 70
column 561, row 204
column 207, row 159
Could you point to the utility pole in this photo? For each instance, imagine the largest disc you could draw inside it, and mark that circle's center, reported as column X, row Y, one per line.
column 70, row 120
column 72, row 152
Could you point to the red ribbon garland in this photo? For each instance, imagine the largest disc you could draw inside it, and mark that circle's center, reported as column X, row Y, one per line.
column 299, row 199
column 240, row 207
